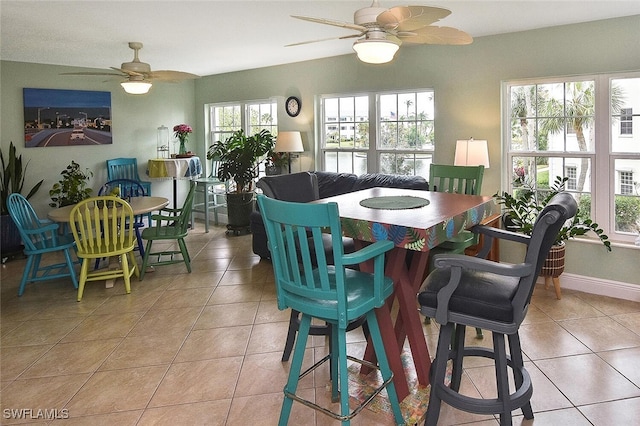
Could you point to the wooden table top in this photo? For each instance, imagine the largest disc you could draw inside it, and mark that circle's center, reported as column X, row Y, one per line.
column 419, row 228
column 140, row 205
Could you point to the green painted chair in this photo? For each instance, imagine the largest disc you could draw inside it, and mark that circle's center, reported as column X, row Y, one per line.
column 170, row 224
column 331, row 293
column 461, row 180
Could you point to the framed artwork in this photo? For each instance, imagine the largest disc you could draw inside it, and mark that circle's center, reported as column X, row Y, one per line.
column 55, row 117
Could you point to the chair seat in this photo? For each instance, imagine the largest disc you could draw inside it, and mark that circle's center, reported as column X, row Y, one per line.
column 358, row 291
column 479, row 294
column 459, row 242
column 164, row 232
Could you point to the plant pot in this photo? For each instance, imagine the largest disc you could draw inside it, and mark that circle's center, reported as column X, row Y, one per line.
column 554, row 263
column 239, row 208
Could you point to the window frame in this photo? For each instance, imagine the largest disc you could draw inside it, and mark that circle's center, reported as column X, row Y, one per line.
column 373, row 150
column 602, row 157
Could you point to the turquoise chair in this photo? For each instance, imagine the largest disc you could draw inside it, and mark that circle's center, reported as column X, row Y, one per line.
column 40, row 236
column 460, row 180
column 330, row 293
column 170, row 224
column 211, row 189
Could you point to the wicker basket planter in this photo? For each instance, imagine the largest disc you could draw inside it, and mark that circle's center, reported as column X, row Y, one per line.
column 554, row 264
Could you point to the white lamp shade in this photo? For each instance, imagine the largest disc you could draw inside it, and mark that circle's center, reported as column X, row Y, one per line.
column 289, row 142
column 136, row 87
column 470, row 152
column 375, row 51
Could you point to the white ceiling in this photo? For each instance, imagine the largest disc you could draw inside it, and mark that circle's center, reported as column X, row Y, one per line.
column 212, row 37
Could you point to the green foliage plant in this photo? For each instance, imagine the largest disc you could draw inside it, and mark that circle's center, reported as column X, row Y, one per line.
column 522, row 209
column 72, row 188
column 12, row 177
column 239, row 157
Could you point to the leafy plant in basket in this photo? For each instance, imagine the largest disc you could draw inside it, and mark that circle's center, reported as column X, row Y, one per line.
column 522, row 208
column 239, row 157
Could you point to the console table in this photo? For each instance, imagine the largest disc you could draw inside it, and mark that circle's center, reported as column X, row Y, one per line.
column 174, row 168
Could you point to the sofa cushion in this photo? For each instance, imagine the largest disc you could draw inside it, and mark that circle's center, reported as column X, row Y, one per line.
column 297, row 187
column 375, row 180
column 331, row 184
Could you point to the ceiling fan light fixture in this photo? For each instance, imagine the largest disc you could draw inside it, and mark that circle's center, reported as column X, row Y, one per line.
column 136, row 87
column 375, row 51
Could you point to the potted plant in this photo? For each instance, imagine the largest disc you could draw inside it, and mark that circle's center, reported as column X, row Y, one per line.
column 239, row 157
column 275, row 162
column 72, row 188
column 521, row 209
column 12, row 177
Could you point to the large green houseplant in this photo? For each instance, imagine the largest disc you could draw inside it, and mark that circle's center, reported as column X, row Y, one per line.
column 522, row 208
column 72, row 188
column 12, row 179
column 239, row 156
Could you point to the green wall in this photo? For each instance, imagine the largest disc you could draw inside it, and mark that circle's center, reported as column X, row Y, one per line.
column 135, row 120
column 467, row 82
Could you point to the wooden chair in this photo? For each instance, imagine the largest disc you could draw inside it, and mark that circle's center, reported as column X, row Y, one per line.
column 170, row 224
column 461, row 180
column 210, row 188
column 470, row 291
column 128, row 188
column 99, row 230
column 330, row 293
column 40, row 236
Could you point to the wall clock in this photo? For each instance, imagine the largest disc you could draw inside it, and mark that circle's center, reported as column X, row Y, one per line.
column 293, row 106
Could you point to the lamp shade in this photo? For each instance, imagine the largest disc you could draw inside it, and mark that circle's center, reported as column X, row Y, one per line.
column 470, row 152
column 375, row 51
column 289, row 142
column 136, row 87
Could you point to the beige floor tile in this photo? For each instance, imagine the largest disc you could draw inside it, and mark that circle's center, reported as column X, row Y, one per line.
column 166, row 321
column 266, row 373
column 137, row 301
column 198, row 381
column 268, row 337
column 269, row 312
column 72, row 358
column 40, row 332
column 143, row 351
column 564, row 417
column 569, row 307
column 197, row 280
column 210, row 413
column 215, row 343
column 189, row 297
column 41, row 393
column 587, row 379
column 610, row 305
column 243, row 410
column 124, row 418
column 99, row 327
column 625, row 361
column 630, row 321
column 16, row 359
column 547, row 340
column 227, row 315
column 602, row 334
column 243, row 276
column 117, row 390
column 621, row 412
column 236, row 294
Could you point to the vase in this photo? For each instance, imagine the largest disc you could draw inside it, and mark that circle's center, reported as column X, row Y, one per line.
column 183, row 148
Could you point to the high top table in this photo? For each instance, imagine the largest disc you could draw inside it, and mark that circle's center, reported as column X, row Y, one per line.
column 174, row 168
column 414, row 231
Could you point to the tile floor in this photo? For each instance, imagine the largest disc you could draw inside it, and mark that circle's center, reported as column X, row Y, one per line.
column 204, row 348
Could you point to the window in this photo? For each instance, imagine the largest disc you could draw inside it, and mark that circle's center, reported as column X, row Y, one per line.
column 252, row 116
column 626, row 121
column 576, row 128
column 379, row 132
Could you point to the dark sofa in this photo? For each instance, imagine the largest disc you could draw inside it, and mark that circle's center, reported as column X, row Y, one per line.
column 308, row 186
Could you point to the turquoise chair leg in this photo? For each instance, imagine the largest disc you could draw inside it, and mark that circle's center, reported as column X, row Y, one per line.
column 343, row 375
column 27, row 272
column 383, row 363
column 295, row 368
column 333, row 366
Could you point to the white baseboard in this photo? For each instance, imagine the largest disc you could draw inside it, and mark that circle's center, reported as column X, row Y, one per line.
column 599, row 286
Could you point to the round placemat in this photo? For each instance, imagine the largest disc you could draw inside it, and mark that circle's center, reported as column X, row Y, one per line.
column 394, row 202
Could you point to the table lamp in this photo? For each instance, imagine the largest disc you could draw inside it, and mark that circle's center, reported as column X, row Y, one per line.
column 470, row 152
column 289, row 142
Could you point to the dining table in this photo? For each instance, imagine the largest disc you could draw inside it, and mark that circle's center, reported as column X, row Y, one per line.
column 415, row 221
column 139, row 205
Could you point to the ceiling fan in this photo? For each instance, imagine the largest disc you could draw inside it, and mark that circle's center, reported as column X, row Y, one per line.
column 139, row 75
column 382, row 31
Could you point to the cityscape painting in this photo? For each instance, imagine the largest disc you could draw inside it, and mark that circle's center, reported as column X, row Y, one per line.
column 55, row 117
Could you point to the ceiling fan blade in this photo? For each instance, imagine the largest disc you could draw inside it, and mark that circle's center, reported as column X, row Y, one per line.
column 170, row 76
column 92, row 73
column 436, row 35
column 324, row 39
column 410, row 18
column 340, row 24
column 127, row 72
